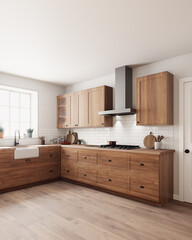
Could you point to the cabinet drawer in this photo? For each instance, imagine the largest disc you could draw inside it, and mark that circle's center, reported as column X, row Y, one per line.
column 49, row 171
column 112, row 159
column 146, row 166
column 69, row 154
column 87, row 175
column 145, row 189
column 49, row 154
column 87, row 156
column 112, row 181
column 69, row 172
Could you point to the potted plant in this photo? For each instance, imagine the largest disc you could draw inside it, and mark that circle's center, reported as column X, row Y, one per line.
column 79, row 141
column 1, row 131
column 29, row 132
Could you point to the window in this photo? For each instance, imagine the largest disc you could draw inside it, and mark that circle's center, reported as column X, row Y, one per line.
column 18, row 110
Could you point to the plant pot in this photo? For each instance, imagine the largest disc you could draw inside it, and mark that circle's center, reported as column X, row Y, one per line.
column 1, row 134
column 29, row 135
column 157, row 145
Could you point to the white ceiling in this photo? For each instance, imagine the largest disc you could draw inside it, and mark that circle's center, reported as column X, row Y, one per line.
column 67, row 41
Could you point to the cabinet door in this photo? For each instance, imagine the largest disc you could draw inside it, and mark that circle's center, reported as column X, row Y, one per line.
column 83, row 108
column 74, row 110
column 155, row 99
column 64, row 111
column 96, row 103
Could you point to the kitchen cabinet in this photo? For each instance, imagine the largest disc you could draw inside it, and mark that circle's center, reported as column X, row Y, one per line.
column 81, row 109
column 49, row 163
column 145, row 175
column 64, row 111
column 21, row 172
column 155, row 99
column 100, row 99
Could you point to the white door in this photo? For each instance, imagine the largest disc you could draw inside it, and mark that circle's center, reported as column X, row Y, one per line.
column 188, row 141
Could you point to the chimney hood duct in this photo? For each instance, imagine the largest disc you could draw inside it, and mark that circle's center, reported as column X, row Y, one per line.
column 123, row 93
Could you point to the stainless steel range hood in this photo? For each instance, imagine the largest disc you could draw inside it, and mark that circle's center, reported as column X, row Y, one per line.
column 123, row 93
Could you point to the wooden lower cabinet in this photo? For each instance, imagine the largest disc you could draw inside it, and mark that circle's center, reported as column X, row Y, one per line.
column 113, row 181
column 147, row 176
column 21, row 172
column 48, row 171
column 87, row 175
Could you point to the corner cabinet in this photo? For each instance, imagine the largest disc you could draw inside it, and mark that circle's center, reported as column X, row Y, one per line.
column 155, row 99
column 80, row 109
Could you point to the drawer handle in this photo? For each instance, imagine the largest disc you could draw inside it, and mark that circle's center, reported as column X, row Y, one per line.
column 66, row 125
column 142, row 164
column 85, row 174
column 109, row 160
column 27, row 160
column 76, row 125
column 68, row 155
column 67, row 170
column 142, row 187
column 84, row 157
column 109, row 180
column 51, row 171
column 51, row 155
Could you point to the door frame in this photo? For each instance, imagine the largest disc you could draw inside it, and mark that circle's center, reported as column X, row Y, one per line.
column 181, row 136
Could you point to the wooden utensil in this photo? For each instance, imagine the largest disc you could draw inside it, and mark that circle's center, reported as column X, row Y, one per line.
column 149, row 141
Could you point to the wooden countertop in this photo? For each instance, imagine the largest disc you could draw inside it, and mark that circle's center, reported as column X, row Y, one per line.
column 139, row 150
column 97, row 148
column 13, row 147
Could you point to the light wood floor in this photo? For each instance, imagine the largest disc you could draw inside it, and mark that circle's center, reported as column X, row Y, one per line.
column 65, row 211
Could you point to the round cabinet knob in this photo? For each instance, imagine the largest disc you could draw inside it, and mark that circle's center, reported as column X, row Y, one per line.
column 187, row 151
column 84, row 157
column 109, row 160
column 85, row 174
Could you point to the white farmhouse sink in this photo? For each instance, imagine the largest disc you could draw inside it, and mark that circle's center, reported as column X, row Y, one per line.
column 26, row 152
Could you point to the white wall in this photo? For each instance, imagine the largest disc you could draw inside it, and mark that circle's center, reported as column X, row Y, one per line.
column 47, row 101
column 125, row 129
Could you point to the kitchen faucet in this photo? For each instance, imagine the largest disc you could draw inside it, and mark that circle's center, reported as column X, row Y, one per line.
column 16, row 142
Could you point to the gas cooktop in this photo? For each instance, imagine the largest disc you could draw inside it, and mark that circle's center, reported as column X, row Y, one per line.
column 123, row 147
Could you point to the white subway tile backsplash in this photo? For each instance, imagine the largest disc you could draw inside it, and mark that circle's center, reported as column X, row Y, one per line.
column 49, row 134
column 125, row 131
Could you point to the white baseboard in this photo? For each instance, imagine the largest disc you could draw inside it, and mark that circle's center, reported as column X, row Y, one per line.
column 176, row 197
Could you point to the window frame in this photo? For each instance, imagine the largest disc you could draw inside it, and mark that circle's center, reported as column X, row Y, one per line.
column 33, row 109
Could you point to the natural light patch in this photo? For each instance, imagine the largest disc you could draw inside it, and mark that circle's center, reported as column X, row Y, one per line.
column 18, row 110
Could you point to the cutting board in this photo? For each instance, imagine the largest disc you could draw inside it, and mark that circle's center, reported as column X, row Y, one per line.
column 70, row 138
column 149, row 141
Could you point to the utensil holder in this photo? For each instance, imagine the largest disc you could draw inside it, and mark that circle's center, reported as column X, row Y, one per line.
column 157, row 145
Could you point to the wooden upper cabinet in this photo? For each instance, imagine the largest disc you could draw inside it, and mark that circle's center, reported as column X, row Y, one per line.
column 74, row 109
column 80, row 109
column 64, row 111
column 83, row 108
column 99, row 99
column 155, row 99
column 96, row 104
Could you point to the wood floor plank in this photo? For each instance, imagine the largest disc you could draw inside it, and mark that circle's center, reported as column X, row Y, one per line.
column 64, row 211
